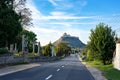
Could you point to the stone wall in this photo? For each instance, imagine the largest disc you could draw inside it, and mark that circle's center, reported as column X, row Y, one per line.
column 10, row 59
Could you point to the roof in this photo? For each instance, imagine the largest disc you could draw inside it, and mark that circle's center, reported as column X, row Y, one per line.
column 118, row 41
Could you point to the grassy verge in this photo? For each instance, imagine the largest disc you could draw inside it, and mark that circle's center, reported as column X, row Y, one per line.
column 108, row 71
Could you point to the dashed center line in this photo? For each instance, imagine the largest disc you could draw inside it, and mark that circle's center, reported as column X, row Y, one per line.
column 58, row 69
column 48, row 77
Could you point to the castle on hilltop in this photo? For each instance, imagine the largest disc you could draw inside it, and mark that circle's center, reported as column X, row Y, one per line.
column 72, row 40
column 68, row 35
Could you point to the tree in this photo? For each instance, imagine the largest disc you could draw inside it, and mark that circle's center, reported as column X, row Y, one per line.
column 25, row 14
column 10, row 26
column 62, row 49
column 47, row 50
column 13, row 17
column 30, row 39
column 102, row 43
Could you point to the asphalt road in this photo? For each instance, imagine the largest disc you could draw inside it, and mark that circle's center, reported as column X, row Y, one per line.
column 69, row 68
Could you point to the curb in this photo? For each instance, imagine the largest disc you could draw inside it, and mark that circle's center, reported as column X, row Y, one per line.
column 93, row 71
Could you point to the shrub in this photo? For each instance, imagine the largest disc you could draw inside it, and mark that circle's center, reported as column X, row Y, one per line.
column 3, row 51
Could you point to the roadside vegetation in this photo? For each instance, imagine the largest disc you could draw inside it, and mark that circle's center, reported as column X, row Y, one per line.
column 62, row 49
column 102, row 44
column 99, row 50
column 14, row 17
column 108, row 71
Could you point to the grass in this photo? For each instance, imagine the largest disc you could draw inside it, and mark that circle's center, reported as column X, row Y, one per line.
column 33, row 55
column 108, row 71
column 29, row 54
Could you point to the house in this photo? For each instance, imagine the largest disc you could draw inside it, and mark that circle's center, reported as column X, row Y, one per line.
column 116, row 61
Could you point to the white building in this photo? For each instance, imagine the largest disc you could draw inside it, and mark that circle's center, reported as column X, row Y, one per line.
column 117, row 56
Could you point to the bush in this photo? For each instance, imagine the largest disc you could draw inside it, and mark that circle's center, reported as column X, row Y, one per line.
column 89, row 56
column 33, row 55
column 3, row 51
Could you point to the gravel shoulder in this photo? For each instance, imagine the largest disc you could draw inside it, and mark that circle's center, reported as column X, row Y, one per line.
column 97, row 74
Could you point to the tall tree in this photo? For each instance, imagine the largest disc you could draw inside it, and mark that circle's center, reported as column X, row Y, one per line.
column 13, row 17
column 20, row 7
column 9, row 23
column 102, row 43
column 30, row 38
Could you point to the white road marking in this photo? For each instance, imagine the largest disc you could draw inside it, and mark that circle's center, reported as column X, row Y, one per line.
column 48, row 77
column 63, row 66
column 58, row 69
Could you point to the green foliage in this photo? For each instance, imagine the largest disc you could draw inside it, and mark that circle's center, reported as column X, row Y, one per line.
column 16, row 55
column 13, row 16
column 62, row 49
column 10, row 26
column 46, row 50
column 102, row 43
column 33, row 55
column 89, row 56
column 112, row 74
column 30, row 39
column 84, row 51
column 108, row 71
column 3, row 50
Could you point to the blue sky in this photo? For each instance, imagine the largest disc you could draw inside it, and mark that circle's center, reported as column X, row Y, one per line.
column 52, row 18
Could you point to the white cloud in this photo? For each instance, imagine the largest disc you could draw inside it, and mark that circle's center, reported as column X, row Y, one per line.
column 70, row 23
column 65, row 17
column 53, row 2
column 35, row 13
column 45, row 34
column 57, row 13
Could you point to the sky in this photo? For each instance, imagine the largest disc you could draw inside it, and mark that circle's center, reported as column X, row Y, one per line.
column 52, row 18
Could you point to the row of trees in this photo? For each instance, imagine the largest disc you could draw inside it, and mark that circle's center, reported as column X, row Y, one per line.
column 61, row 49
column 14, row 18
column 102, row 44
column 30, row 38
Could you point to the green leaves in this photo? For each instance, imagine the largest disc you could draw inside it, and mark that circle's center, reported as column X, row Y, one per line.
column 47, row 50
column 62, row 49
column 10, row 26
column 102, row 43
column 13, row 17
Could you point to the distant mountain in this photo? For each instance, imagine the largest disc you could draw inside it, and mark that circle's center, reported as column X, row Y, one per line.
column 72, row 40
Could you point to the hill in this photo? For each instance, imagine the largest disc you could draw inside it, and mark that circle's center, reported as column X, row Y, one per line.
column 73, row 41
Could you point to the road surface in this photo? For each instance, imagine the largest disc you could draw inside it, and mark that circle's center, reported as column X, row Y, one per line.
column 69, row 68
